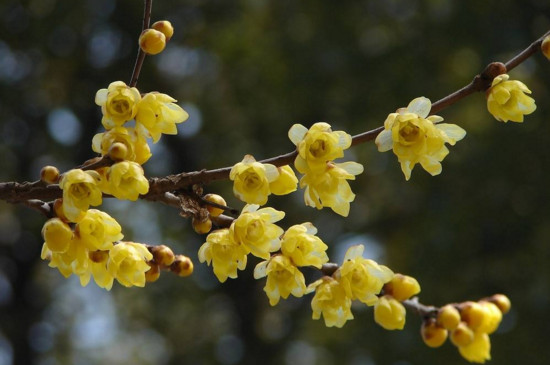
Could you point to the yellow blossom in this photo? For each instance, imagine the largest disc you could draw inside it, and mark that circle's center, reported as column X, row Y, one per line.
column 389, row 313
column 80, row 190
column 57, row 235
column 331, row 301
column 506, row 99
column 252, row 179
column 362, row 278
column 317, row 146
column 300, row 244
column 137, row 148
column 96, row 267
column 255, row 232
column 128, row 263
column 283, row 278
column 479, row 350
column 330, row 188
column 118, row 104
column 97, row 230
column 126, row 180
column 491, row 319
column 158, row 113
column 225, row 255
column 285, row 183
column 417, row 138
column 73, row 261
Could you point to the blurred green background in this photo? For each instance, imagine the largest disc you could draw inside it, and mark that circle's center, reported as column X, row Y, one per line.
column 246, row 71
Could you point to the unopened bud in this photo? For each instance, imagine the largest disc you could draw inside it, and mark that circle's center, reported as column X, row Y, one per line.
column 462, row 335
column 473, row 314
column 215, row 198
column 165, row 27
column 58, row 209
column 163, row 255
column 501, row 300
column 201, row 227
column 152, row 274
column 432, row 334
column 402, row 287
column 49, row 174
column 448, row 317
column 152, row 41
column 182, row 266
column 118, row 151
column 98, row 256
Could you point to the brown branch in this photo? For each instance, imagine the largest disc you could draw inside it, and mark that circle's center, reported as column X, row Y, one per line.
column 141, row 55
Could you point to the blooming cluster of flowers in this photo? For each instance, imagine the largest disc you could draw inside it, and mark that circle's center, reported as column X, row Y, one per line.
column 324, row 180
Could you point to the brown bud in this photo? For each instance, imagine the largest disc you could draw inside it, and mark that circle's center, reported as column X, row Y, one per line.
column 98, row 256
column 165, row 27
column 49, row 174
column 182, row 266
column 501, row 301
column 118, row 151
column 58, row 209
column 432, row 334
column 202, row 227
column 162, row 255
column 152, row 274
column 215, row 198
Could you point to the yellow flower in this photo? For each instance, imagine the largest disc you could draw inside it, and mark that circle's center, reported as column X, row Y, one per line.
column 402, row 287
column 73, row 261
column 252, row 179
column 80, row 190
column 126, row 180
column 479, row 350
column 57, row 235
column 300, row 244
column 283, row 278
column 128, row 263
column 389, row 313
column 118, row 103
column 98, row 230
column 317, row 146
column 416, row 138
column 506, row 99
column 491, row 318
column 225, row 255
column 136, row 145
column 331, row 301
column 362, row 278
column 255, row 232
column 158, row 114
column 285, row 183
column 330, row 187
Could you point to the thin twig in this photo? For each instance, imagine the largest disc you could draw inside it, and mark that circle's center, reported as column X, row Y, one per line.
column 141, row 55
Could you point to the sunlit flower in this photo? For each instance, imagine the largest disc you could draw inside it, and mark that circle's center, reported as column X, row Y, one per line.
column 225, row 255
column 97, row 268
column 285, row 183
column 136, row 145
column 255, row 230
column 72, row 261
column 158, row 113
column 118, row 104
column 330, row 188
column 417, row 138
column 362, row 278
column 97, row 230
column 389, row 313
column 57, row 235
column 506, row 99
column 252, row 179
column 283, row 278
column 479, row 350
column 300, row 244
column 126, row 180
column 80, row 190
column 128, row 263
column 331, row 301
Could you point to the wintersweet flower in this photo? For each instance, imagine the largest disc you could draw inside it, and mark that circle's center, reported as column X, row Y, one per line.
column 137, row 148
column 225, row 255
column 506, row 99
column 362, row 278
column 285, row 183
column 57, row 235
column 97, row 230
column 97, row 268
column 300, row 244
column 252, row 179
column 417, row 138
column 389, row 313
column 72, row 261
column 80, row 190
column 158, row 113
column 283, row 278
column 126, row 180
column 479, row 350
column 256, row 232
column 118, row 103
column 331, row 301
column 317, row 146
column 128, row 263
column 491, row 319
column 330, row 187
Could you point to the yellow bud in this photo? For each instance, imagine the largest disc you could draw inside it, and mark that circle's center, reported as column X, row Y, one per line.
column 182, row 266
column 402, row 287
column 448, row 317
column 215, row 198
column 432, row 334
column 501, row 300
column 152, row 274
column 152, row 41
column 545, row 47
column 118, row 151
column 201, row 227
column 58, row 209
column 49, row 174
column 57, row 234
column 462, row 335
column 165, row 27
column 163, row 255
column 473, row 314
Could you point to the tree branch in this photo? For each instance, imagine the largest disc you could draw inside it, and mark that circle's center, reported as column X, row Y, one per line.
column 141, row 55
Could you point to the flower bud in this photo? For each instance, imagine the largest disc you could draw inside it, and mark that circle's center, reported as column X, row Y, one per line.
column 501, row 300
column 473, row 314
column 49, row 174
column 182, row 266
column 98, row 256
column 152, row 274
column 201, row 227
column 118, row 151
column 162, row 255
column 545, row 47
column 402, row 287
column 57, row 234
column 165, row 27
column 58, row 209
column 462, row 335
column 432, row 334
column 214, row 198
column 448, row 317
column 152, row 41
